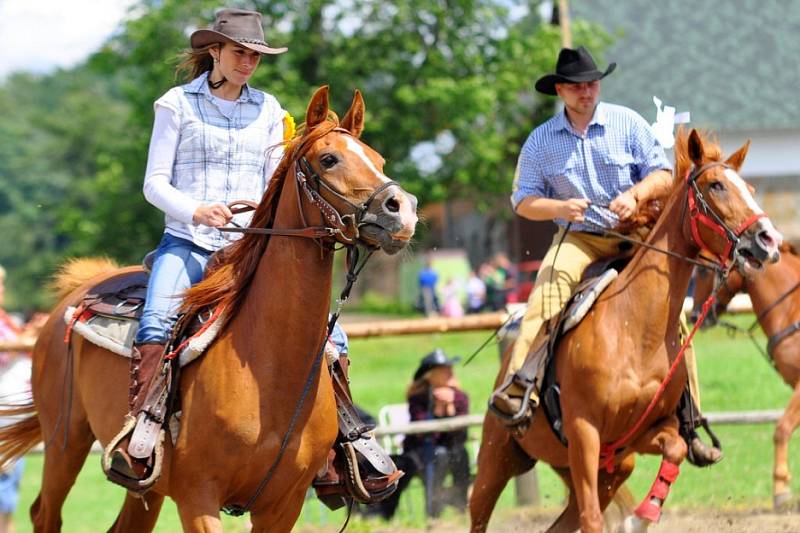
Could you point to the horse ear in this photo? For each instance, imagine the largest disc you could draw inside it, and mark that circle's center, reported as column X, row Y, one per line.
column 696, row 152
column 318, row 107
column 736, row 159
column 353, row 120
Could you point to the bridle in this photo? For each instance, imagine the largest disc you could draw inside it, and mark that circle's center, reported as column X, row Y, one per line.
column 700, row 213
column 346, row 228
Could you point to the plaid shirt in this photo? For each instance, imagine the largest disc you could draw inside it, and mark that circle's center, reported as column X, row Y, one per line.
column 617, row 151
column 221, row 158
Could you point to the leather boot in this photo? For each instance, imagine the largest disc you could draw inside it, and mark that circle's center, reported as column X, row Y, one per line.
column 145, row 362
column 516, row 399
column 699, row 453
column 357, row 466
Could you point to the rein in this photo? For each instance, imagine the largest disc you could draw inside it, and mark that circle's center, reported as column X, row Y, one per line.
column 338, row 228
column 353, row 270
column 608, row 451
column 711, row 220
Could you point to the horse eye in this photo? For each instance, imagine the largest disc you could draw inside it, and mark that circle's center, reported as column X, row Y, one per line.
column 717, row 186
column 328, row 160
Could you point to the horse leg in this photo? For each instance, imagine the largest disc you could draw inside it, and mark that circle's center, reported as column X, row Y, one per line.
column 282, row 516
column 610, row 490
column 662, row 439
column 584, row 463
column 61, row 468
column 781, row 491
column 134, row 517
column 569, row 519
column 608, row 485
column 198, row 508
column 499, row 459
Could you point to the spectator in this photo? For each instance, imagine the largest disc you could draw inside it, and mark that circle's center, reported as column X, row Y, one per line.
column 452, row 299
column 434, row 393
column 427, row 301
column 476, row 293
column 15, row 376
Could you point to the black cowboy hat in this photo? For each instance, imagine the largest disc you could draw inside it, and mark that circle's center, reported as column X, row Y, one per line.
column 432, row 360
column 573, row 66
column 237, row 26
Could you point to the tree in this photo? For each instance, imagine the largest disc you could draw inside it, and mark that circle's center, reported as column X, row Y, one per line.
column 448, row 86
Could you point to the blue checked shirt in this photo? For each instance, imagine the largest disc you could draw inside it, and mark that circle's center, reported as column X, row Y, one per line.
column 617, row 151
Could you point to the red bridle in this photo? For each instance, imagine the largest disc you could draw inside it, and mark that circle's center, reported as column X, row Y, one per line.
column 701, row 213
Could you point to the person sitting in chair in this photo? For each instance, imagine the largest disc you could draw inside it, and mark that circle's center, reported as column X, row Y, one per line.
column 434, row 393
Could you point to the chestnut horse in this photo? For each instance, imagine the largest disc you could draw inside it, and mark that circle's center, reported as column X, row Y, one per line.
column 238, row 400
column 613, row 367
column 775, row 296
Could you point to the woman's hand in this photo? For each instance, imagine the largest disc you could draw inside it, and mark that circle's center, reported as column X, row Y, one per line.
column 212, row 215
column 444, row 394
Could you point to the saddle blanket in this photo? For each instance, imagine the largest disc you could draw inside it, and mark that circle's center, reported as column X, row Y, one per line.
column 117, row 334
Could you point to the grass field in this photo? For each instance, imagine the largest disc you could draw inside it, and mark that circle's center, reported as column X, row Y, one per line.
column 734, row 377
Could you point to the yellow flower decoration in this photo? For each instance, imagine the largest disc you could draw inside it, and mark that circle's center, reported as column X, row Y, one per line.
column 289, row 127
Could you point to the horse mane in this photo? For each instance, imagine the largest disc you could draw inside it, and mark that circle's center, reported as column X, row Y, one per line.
column 77, row 271
column 683, row 163
column 228, row 282
column 647, row 215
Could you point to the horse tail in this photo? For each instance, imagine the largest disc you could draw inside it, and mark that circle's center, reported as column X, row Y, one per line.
column 17, row 438
column 75, row 272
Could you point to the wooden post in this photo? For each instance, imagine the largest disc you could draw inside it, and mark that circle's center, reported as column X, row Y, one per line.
column 563, row 22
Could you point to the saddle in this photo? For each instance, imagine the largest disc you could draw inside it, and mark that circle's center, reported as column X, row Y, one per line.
column 357, row 467
column 538, row 371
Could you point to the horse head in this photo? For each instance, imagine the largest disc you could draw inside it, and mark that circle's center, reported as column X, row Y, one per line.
column 725, row 220
column 346, row 175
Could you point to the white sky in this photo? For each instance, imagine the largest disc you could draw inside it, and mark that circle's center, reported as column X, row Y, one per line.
column 41, row 35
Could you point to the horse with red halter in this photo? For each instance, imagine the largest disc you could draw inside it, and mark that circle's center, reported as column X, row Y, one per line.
column 258, row 413
column 775, row 295
column 621, row 370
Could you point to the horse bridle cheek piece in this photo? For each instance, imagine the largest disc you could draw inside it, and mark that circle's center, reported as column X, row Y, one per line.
column 701, row 213
column 346, row 226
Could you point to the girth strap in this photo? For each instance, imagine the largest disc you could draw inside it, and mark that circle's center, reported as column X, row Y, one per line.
column 780, row 336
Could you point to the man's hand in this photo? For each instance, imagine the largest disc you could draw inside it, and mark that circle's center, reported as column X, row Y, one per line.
column 212, row 215
column 624, row 205
column 573, row 210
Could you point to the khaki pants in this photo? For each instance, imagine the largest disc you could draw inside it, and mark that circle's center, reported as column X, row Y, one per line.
column 559, row 275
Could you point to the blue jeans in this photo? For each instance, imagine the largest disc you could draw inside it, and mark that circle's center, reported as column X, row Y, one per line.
column 178, row 265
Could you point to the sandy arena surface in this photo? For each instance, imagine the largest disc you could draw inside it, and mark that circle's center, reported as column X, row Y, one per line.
column 695, row 521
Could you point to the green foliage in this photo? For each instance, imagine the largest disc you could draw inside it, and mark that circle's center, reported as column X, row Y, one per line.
column 75, row 141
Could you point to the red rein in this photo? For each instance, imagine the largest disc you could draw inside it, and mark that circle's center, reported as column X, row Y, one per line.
column 607, row 451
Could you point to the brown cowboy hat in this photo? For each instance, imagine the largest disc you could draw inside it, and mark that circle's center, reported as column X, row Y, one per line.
column 237, row 26
column 573, row 66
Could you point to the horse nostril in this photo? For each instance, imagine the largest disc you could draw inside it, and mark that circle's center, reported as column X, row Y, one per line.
column 765, row 239
column 392, row 205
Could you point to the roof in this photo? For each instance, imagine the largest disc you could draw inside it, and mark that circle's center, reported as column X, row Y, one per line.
column 731, row 63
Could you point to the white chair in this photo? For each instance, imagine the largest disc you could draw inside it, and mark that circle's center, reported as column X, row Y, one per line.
column 391, row 414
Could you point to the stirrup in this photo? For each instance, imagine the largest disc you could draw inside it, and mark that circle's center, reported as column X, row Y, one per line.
column 134, row 485
column 525, row 412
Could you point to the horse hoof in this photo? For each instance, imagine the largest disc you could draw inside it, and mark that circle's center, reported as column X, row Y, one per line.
column 782, row 503
column 633, row 524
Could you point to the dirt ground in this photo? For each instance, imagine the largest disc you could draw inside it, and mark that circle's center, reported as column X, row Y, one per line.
column 696, row 521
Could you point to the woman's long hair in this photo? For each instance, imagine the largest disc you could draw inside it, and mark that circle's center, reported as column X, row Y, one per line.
column 195, row 61
column 418, row 386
